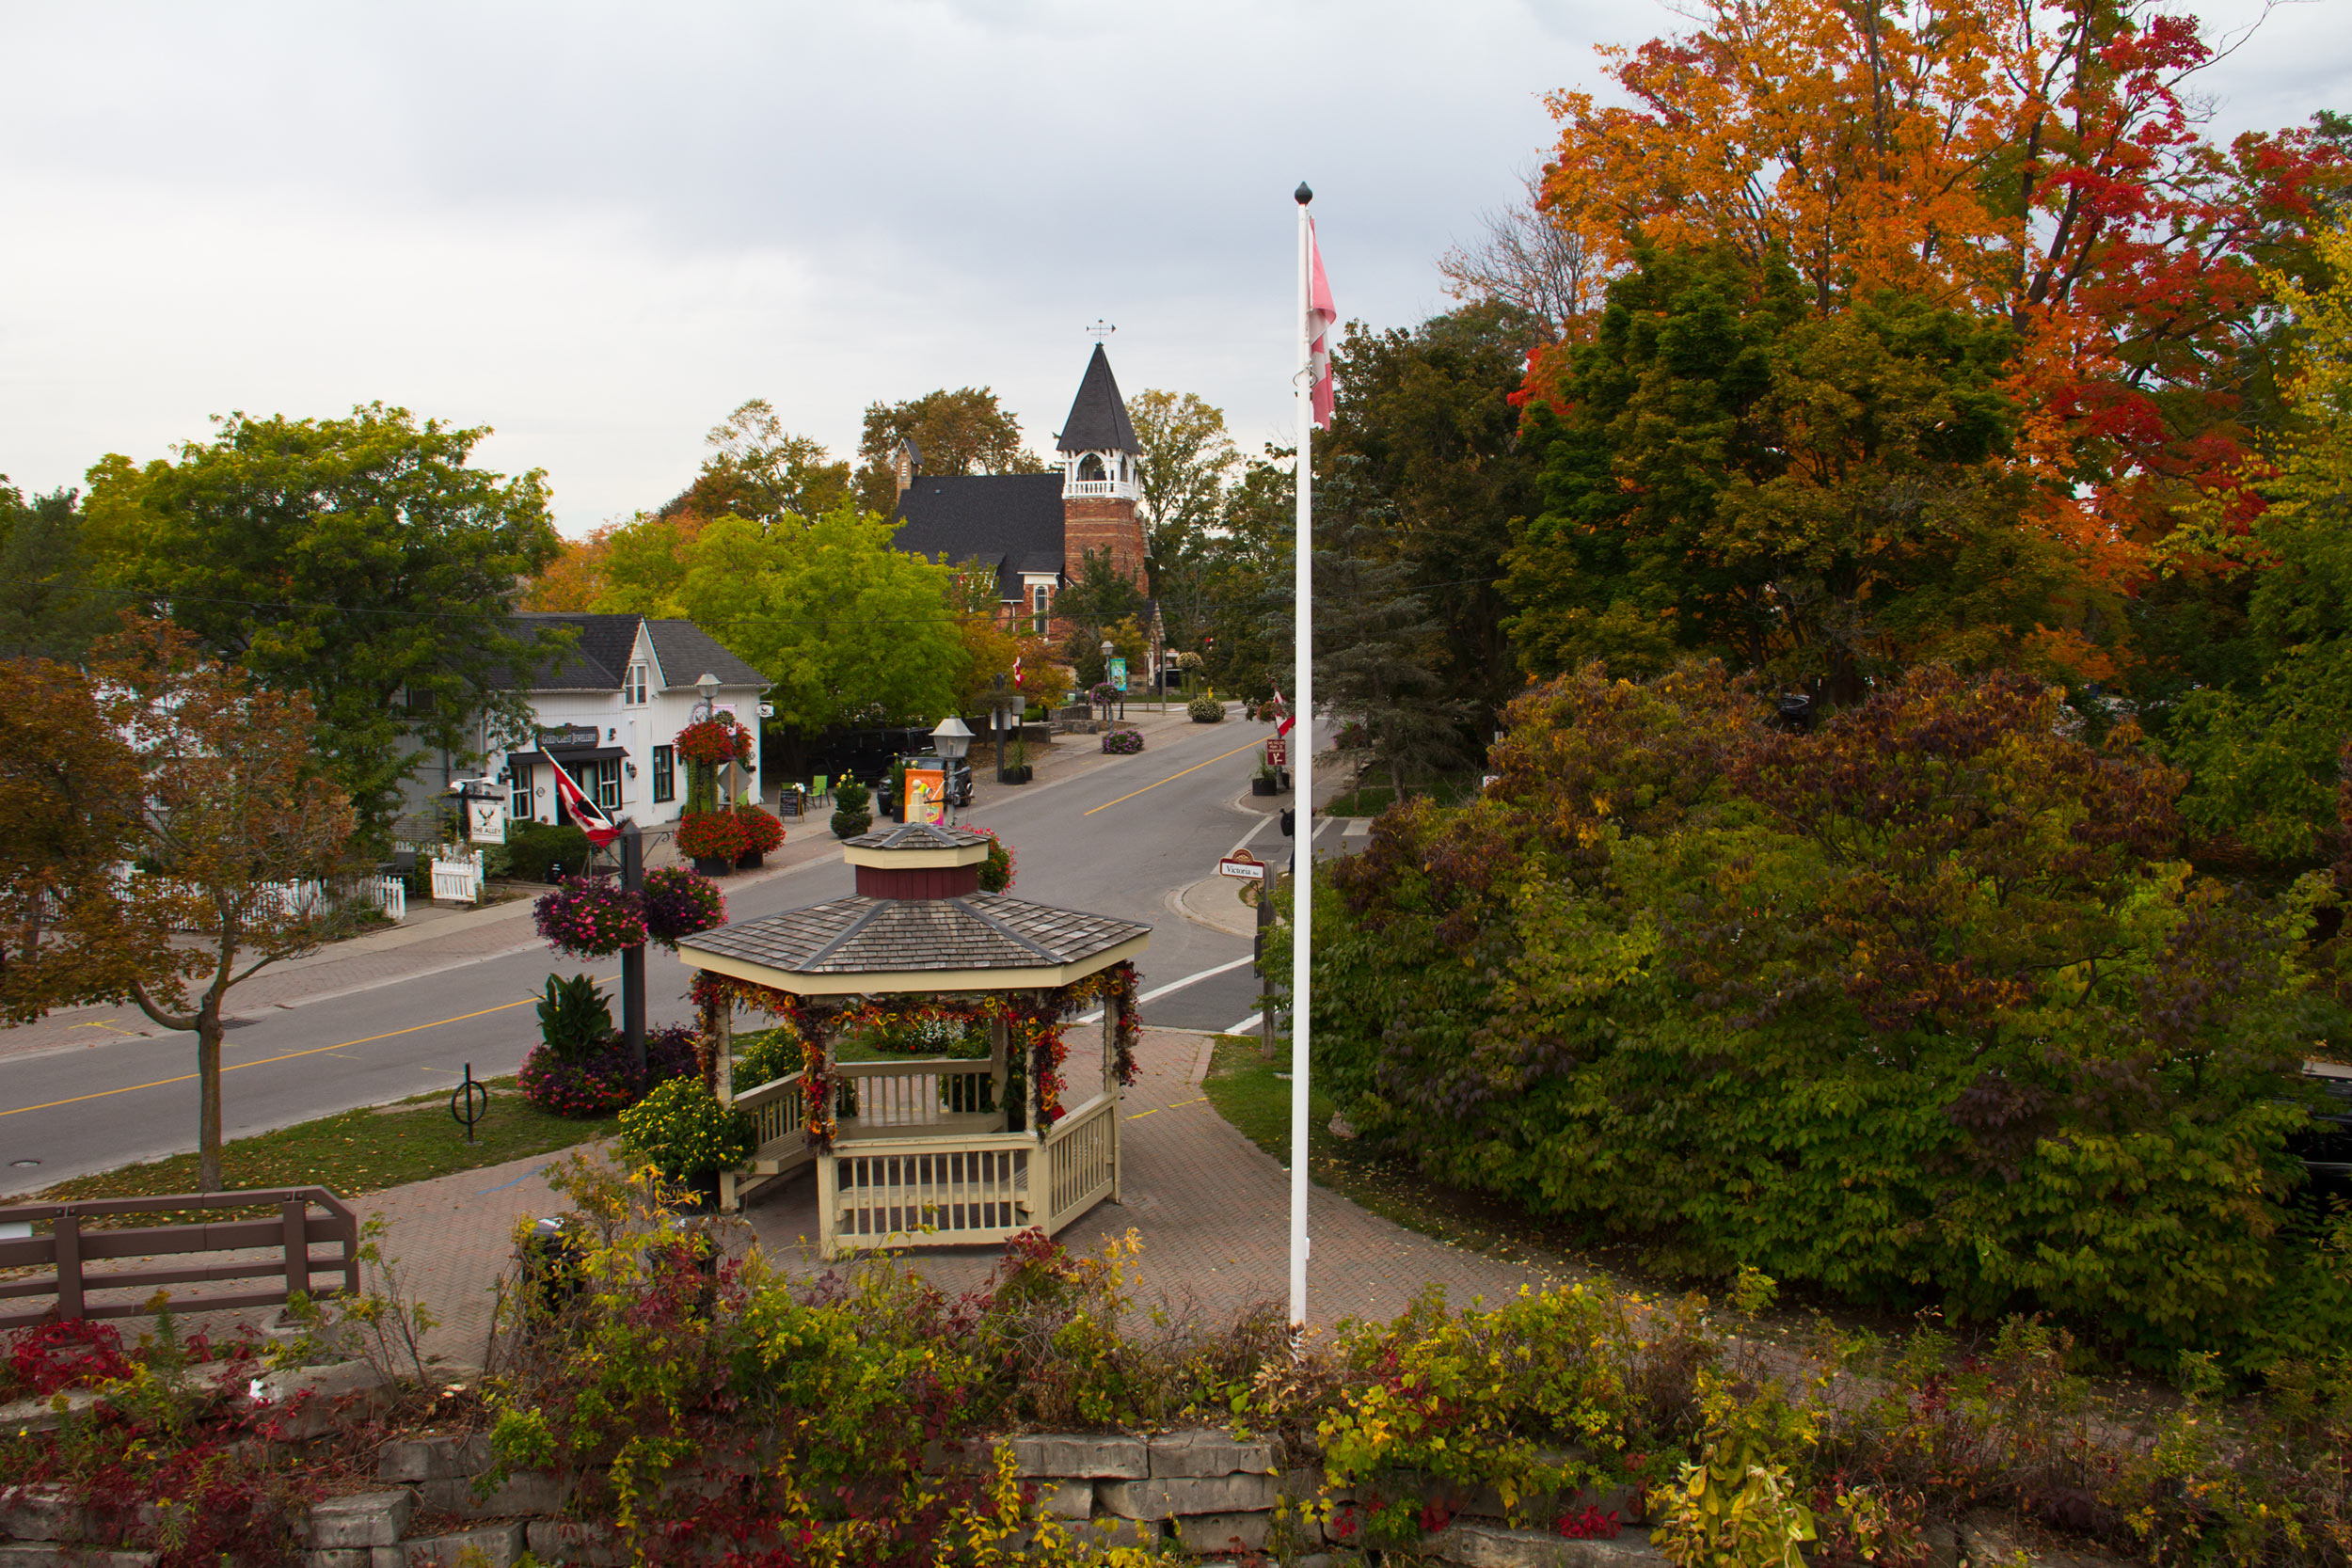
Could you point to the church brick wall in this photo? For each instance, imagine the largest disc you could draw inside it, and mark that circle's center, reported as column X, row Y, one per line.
column 1104, row 525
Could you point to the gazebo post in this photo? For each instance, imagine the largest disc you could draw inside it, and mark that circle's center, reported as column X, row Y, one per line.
column 999, row 1049
column 828, row 1178
column 722, row 1049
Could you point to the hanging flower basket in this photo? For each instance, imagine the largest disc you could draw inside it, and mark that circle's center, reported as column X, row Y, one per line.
column 714, row 840
column 680, row 903
column 591, row 919
column 714, row 742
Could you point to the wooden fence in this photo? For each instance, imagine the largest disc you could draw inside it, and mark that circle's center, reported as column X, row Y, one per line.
column 68, row 1251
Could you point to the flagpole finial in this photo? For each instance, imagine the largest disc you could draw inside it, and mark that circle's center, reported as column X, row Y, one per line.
column 1303, row 195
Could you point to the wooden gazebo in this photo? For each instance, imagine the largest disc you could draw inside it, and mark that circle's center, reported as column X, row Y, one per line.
column 928, row 1150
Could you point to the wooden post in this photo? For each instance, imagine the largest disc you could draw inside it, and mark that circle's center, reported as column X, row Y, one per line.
column 1111, row 1000
column 722, row 1049
column 67, row 1234
column 295, row 1212
column 999, row 1049
column 828, row 1205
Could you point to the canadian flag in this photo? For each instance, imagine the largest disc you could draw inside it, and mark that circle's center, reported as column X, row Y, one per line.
column 1287, row 719
column 601, row 829
column 1321, row 316
column 1016, row 668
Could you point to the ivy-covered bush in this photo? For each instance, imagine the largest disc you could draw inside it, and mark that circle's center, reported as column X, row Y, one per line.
column 1123, row 742
column 711, row 835
column 761, row 830
column 1920, row 1006
column 682, row 1130
column 590, row 917
column 680, row 902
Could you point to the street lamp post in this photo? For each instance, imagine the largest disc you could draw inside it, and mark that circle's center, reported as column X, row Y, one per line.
column 951, row 737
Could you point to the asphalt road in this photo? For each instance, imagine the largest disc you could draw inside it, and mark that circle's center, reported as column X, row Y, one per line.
column 1118, row 841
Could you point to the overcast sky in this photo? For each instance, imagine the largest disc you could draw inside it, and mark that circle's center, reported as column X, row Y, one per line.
column 599, row 229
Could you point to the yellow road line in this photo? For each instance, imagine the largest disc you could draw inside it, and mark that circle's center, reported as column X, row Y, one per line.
column 236, row 1066
column 1171, row 778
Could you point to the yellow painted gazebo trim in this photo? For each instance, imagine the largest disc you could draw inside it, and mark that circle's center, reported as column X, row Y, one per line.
column 959, row 854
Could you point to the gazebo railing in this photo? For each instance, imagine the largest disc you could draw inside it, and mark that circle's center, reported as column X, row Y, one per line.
column 1081, row 1156
column 778, row 1111
column 893, row 1099
column 895, row 1191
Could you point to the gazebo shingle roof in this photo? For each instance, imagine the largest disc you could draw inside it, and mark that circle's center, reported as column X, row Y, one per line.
column 916, row 836
column 893, row 936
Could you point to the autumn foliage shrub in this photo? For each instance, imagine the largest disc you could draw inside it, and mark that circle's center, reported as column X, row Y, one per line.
column 1919, row 1006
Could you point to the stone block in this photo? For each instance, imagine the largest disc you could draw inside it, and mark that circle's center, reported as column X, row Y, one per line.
column 590, row 1545
column 1222, row 1533
column 305, row 1397
column 364, row 1519
column 27, row 1416
column 1210, row 1454
column 1095, row 1458
column 1066, row 1500
column 43, row 1514
column 437, row 1456
column 342, row 1556
column 523, row 1495
column 499, row 1545
column 1165, row 1499
column 47, row 1554
column 1482, row 1546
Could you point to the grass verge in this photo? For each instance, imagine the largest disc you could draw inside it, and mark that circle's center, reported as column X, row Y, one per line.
column 358, row 1151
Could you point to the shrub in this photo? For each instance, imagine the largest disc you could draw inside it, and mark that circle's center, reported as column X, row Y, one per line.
column 1205, row 709
column 848, row 824
column 849, row 795
column 590, row 917
column 545, row 852
column 682, row 1130
column 680, row 902
column 574, row 1020
column 761, row 830
column 1123, row 743
column 997, row 871
column 595, row 1084
column 711, row 835
column 673, row 1050
column 766, row 1056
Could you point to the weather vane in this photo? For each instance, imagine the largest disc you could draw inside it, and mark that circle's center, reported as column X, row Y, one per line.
column 1101, row 330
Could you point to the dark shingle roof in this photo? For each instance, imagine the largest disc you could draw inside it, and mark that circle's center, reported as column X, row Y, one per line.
column 600, row 657
column 1012, row 522
column 897, row 935
column 1098, row 420
column 687, row 653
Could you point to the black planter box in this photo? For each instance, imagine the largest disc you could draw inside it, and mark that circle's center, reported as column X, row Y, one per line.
column 750, row 862
column 712, row 865
column 1261, row 787
column 1019, row 775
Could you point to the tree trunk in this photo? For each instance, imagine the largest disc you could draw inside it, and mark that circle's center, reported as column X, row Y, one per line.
column 208, row 1178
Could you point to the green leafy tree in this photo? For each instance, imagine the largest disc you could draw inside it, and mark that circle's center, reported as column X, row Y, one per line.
column 1829, row 498
column 1180, row 488
column 1247, row 566
column 1096, row 603
column 759, row 470
column 364, row 562
column 848, row 628
column 1430, row 423
column 963, row 432
column 52, row 600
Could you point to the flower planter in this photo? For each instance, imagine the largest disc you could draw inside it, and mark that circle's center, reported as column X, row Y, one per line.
column 1019, row 775
column 713, row 865
column 750, row 861
column 1261, row 787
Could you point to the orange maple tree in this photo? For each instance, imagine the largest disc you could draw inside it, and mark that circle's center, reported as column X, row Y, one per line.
column 2042, row 162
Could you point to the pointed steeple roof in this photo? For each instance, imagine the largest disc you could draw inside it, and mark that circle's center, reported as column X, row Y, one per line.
column 1098, row 421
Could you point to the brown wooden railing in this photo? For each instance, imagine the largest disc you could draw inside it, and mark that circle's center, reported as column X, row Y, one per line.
column 68, row 1251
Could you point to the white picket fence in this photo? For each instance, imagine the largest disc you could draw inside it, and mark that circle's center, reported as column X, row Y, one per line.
column 457, row 881
column 300, row 900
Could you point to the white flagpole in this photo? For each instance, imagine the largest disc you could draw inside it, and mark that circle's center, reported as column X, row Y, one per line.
column 1303, row 771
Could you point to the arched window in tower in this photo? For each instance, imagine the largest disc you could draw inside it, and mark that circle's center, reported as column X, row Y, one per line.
column 1089, row 468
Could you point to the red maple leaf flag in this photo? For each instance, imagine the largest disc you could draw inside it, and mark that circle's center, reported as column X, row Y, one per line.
column 1321, row 317
column 601, row 829
column 1288, row 718
column 1016, row 668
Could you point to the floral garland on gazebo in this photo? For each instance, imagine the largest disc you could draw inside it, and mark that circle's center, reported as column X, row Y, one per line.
column 1033, row 1028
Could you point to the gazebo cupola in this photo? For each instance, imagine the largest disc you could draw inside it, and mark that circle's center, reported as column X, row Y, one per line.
column 913, row 1150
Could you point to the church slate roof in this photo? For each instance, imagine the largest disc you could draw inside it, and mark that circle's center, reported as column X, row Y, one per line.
column 1012, row 522
column 896, row 936
column 1098, row 420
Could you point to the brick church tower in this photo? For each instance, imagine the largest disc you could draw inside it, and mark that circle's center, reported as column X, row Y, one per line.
column 1098, row 451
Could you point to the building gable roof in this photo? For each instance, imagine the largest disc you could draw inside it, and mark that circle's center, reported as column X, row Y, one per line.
column 1011, row 522
column 608, row 644
column 687, row 653
column 1098, row 420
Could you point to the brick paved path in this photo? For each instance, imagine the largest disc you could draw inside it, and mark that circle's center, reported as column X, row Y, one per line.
column 1210, row 1208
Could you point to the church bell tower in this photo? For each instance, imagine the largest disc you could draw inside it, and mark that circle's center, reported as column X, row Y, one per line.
column 1099, row 452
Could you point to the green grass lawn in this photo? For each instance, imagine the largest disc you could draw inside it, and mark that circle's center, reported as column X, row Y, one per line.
column 357, row 1152
column 1370, row 800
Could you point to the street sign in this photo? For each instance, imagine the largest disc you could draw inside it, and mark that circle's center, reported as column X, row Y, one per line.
column 1277, row 752
column 486, row 819
column 1245, row 866
column 1118, row 673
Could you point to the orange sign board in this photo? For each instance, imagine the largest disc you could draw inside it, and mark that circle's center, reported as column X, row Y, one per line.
column 927, row 795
